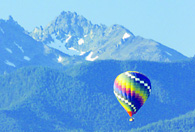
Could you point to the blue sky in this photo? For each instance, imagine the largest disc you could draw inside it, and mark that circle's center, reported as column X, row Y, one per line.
column 170, row 22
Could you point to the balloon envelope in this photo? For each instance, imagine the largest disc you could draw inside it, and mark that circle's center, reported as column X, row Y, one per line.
column 132, row 89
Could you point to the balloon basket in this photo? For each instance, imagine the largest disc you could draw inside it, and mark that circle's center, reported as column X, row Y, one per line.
column 131, row 119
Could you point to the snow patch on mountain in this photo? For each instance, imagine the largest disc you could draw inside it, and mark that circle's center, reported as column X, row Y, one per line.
column 10, row 63
column 81, row 41
column 36, row 30
column 112, row 42
column 82, row 53
column 89, row 57
column 72, row 48
column 27, row 58
column 76, row 51
column 57, row 44
column 69, row 37
column 9, row 50
column 126, row 35
column 2, row 30
column 60, row 59
column 19, row 47
column 168, row 53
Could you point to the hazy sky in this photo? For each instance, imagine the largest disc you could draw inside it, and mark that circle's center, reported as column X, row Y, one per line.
column 170, row 22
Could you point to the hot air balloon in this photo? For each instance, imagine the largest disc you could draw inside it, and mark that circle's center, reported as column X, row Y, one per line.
column 132, row 89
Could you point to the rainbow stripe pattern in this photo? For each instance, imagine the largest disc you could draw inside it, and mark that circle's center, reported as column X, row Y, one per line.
column 132, row 89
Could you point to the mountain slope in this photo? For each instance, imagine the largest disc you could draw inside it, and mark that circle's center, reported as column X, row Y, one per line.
column 18, row 49
column 184, row 123
column 44, row 99
column 50, row 101
column 172, row 84
column 75, row 35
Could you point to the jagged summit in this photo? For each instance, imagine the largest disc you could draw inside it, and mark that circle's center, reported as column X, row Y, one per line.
column 10, row 24
column 73, row 34
column 66, row 23
column 10, row 18
column 72, row 17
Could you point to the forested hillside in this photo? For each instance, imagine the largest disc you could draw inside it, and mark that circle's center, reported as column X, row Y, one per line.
column 81, row 97
column 184, row 123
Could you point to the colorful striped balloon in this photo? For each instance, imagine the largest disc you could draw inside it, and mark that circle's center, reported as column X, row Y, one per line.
column 132, row 89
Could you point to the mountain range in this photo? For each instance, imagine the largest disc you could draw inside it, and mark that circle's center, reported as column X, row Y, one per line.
column 70, row 32
column 71, row 39
column 60, row 78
